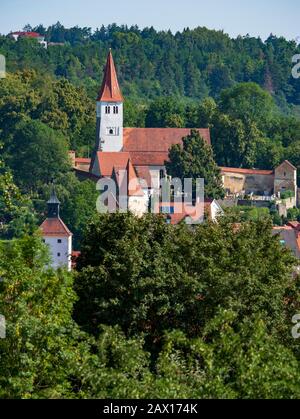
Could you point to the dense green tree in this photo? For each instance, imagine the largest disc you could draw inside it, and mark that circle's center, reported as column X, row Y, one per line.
column 147, row 276
column 194, row 160
column 38, row 352
column 17, row 215
column 249, row 103
column 79, row 207
column 58, row 104
column 217, row 311
column 227, row 362
column 165, row 112
column 195, row 63
column 37, row 154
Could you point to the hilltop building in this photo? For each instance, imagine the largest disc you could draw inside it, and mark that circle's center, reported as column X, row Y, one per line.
column 33, row 35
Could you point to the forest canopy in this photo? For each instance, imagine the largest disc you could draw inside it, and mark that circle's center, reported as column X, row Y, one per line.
column 193, row 63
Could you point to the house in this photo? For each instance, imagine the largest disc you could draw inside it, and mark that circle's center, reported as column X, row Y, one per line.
column 262, row 184
column 57, row 235
column 209, row 209
column 33, row 35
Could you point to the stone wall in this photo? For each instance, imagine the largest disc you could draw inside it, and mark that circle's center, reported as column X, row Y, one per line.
column 258, row 184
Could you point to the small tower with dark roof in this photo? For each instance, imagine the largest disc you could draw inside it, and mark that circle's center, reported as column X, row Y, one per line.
column 53, row 204
column 57, row 235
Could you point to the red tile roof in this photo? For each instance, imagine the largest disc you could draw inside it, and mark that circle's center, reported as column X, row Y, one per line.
column 28, row 34
column 143, row 172
column 75, row 255
column 110, row 90
column 134, row 187
column 149, row 158
column 111, row 165
column 180, row 216
column 157, row 139
column 55, row 227
column 246, row 171
column 150, row 146
column 107, row 161
column 82, row 160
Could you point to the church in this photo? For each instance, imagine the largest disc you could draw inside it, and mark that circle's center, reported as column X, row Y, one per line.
column 141, row 152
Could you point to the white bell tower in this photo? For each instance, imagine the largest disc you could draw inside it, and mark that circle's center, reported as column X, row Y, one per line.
column 109, row 110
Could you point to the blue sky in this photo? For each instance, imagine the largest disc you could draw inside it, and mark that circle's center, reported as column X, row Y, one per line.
column 256, row 17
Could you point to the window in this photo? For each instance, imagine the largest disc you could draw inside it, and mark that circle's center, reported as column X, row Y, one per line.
column 116, row 110
column 112, row 131
column 59, row 241
column 58, row 255
column 44, row 241
column 167, row 209
column 107, row 109
column 162, row 174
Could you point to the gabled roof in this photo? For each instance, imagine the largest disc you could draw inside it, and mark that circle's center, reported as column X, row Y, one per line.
column 148, row 158
column 134, row 187
column 143, row 172
column 110, row 90
column 114, row 165
column 157, row 139
column 180, row 214
column 288, row 163
column 127, row 174
column 55, row 227
column 150, row 146
column 107, row 161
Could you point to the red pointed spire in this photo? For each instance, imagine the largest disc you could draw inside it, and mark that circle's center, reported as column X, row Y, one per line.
column 110, row 90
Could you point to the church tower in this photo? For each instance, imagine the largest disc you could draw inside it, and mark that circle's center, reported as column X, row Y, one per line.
column 109, row 111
